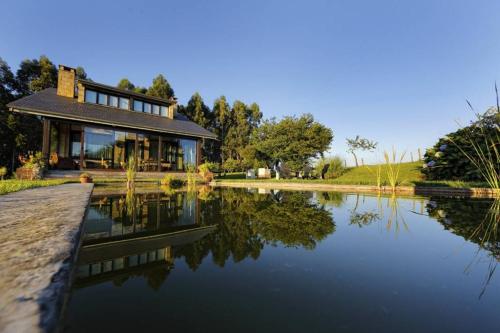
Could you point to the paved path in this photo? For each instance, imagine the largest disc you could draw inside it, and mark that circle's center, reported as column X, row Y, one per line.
column 39, row 237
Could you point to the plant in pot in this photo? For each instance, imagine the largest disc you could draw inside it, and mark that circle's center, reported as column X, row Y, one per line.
column 85, row 178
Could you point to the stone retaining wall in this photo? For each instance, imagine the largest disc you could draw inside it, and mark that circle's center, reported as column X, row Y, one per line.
column 469, row 192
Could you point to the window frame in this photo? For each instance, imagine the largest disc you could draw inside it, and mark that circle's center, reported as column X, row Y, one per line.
column 141, row 108
column 88, row 91
column 120, row 103
column 99, row 94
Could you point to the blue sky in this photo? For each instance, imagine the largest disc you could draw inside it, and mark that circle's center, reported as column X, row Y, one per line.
column 397, row 72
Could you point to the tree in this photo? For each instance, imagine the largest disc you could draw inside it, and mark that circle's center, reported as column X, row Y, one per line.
column 293, row 140
column 35, row 75
column 160, row 88
column 81, row 74
column 125, row 84
column 359, row 143
column 141, row 90
column 221, row 111
column 7, row 90
column 197, row 111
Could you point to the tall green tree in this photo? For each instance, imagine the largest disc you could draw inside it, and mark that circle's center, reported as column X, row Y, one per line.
column 81, row 74
column 197, row 111
column 35, row 75
column 292, row 140
column 125, row 84
column 222, row 119
column 7, row 91
column 160, row 88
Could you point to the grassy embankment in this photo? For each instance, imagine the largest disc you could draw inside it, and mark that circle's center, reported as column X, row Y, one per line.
column 409, row 175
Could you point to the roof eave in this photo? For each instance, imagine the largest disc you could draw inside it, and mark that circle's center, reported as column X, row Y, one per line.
column 81, row 119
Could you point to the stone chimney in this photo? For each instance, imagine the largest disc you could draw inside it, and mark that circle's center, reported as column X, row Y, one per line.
column 172, row 109
column 66, row 81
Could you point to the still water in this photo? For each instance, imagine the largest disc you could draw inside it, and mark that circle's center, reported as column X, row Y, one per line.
column 237, row 260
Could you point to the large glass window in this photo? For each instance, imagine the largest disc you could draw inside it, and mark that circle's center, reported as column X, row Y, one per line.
column 90, row 96
column 163, row 111
column 169, row 154
column 137, row 106
column 103, row 99
column 147, row 107
column 156, row 109
column 124, row 103
column 186, row 154
column 98, row 148
column 147, row 155
column 113, row 101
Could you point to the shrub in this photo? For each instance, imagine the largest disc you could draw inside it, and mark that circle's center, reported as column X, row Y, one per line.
column 33, row 168
column 329, row 167
column 231, row 165
column 336, row 168
column 452, row 157
column 172, row 182
column 208, row 167
column 35, row 161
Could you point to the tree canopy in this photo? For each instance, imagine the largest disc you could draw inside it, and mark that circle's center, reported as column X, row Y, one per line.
column 359, row 143
column 160, row 88
column 292, row 140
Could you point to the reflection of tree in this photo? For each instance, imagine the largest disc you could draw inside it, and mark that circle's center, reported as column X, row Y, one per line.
column 476, row 220
column 473, row 219
column 296, row 221
column 335, row 199
column 363, row 219
column 246, row 221
column 155, row 275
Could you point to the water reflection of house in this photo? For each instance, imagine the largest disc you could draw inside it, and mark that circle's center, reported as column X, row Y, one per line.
column 120, row 240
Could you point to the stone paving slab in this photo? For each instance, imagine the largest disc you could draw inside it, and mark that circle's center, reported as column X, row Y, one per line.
column 39, row 238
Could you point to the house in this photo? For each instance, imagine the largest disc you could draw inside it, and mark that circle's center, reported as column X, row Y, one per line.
column 88, row 125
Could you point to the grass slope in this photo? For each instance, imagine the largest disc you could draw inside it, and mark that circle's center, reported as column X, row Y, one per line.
column 409, row 175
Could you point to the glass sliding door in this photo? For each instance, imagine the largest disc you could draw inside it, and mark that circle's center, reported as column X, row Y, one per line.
column 99, row 145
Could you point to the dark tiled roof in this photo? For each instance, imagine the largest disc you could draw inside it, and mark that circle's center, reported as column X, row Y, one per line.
column 48, row 103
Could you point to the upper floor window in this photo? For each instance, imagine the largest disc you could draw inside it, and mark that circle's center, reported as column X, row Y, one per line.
column 113, row 101
column 90, row 96
column 156, row 109
column 124, row 103
column 95, row 97
column 137, row 106
column 163, row 111
column 102, row 99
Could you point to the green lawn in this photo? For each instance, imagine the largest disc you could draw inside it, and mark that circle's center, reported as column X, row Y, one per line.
column 409, row 175
column 14, row 185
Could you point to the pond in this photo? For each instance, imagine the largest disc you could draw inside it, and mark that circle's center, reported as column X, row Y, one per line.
column 254, row 260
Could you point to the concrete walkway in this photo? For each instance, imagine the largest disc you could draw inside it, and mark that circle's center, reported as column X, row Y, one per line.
column 39, row 237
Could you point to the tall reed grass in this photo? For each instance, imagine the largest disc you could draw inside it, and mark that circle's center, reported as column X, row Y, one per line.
column 392, row 167
column 486, row 149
